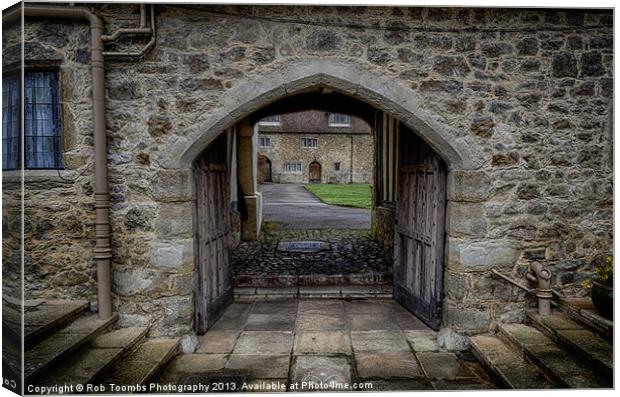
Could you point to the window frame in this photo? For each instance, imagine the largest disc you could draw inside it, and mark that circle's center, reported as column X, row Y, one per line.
column 304, row 142
column 337, row 166
column 331, row 122
column 271, row 123
column 57, row 156
column 287, row 164
column 264, row 139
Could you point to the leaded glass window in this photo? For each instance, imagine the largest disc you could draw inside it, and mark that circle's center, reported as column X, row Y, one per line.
column 42, row 138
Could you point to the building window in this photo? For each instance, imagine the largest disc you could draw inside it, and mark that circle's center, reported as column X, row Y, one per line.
column 336, row 166
column 42, row 137
column 264, row 141
column 292, row 166
column 274, row 120
column 309, row 142
column 339, row 120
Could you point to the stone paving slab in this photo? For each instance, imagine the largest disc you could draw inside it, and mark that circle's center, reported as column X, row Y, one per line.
column 191, row 363
column 325, row 342
column 384, row 365
column 271, row 322
column 320, row 369
column 422, row 341
column 264, row 342
column 320, row 322
column 443, row 366
column 372, row 322
column 384, row 341
column 261, row 365
column 217, row 342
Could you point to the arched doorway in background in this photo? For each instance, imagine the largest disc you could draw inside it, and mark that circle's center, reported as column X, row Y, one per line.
column 264, row 169
column 314, row 172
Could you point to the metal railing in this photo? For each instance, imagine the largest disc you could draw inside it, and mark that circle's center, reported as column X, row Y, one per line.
column 543, row 291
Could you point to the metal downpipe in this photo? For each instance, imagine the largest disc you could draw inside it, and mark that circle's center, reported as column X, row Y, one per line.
column 102, row 251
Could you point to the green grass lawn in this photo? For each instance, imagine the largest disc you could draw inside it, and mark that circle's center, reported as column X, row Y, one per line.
column 346, row 195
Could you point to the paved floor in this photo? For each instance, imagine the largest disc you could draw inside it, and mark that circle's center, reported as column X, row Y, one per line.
column 297, row 345
column 293, row 207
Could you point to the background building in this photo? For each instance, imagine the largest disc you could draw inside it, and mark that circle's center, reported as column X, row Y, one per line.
column 314, row 147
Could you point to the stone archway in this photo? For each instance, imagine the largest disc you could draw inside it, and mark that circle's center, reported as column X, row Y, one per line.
column 373, row 87
column 461, row 155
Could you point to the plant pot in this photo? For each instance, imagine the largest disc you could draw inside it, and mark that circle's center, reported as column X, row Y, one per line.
column 603, row 299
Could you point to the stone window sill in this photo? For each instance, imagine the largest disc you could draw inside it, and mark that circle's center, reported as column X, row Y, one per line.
column 53, row 175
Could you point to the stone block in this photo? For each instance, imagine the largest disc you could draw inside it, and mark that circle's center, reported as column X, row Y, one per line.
column 264, row 342
column 469, row 318
column 270, row 322
column 192, row 363
column 387, row 365
column 221, row 342
column 325, row 342
column 423, row 341
column 167, row 255
column 466, row 219
column 379, row 341
column 443, row 366
column 319, row 322
column 172, row 185
column 472, row 186
column 370, row 322
column 260, row 366
column 466, row 255
column 174, row 220
column 324, row 372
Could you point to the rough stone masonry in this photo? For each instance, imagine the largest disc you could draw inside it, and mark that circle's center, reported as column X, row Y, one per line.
column 524, row 95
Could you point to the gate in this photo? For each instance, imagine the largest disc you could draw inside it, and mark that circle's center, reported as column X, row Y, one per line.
column 419, row 237
column 213, row 235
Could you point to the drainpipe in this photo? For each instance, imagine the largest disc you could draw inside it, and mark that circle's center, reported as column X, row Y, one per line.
column 103, row 251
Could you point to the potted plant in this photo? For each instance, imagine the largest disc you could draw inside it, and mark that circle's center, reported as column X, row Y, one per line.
column 602, row 288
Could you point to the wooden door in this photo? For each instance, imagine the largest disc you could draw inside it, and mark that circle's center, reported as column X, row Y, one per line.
column 213, row 235
column 314, row 175
column 419, row 234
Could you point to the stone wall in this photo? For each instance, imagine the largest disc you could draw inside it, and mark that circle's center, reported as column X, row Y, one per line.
column 346, row 149
column 519, row 102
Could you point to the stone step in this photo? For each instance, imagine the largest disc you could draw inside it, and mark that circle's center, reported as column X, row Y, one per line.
column 146, row 361
column 559, row 365
column 576, row 338
column 98, row 358
column 328, row 292
column 583, row 311
column 507, row 366
column 50, row 316
column 47, row 353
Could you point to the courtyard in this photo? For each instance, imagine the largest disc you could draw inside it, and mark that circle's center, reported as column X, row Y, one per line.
column 356, row 344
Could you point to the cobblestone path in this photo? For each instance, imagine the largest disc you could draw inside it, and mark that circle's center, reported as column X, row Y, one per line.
column 364, row 344
column 348, row 257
